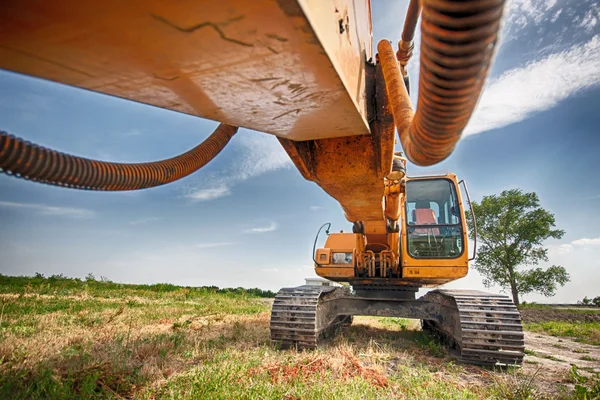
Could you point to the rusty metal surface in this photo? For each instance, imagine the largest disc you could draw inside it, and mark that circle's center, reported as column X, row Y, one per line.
column 416, row 309
column 351, row 169
column 29, row 161
column 255, row 64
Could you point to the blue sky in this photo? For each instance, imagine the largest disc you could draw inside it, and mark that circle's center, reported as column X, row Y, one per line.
column 249, row 219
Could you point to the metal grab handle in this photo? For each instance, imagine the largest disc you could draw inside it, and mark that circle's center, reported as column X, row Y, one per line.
column 472, row 218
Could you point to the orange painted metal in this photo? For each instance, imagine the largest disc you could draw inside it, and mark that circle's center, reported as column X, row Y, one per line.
column 445, row 265
column 298, row 69
column 352, row 169
column 340, row 273
column 346, row 169
column 390, row 249
column 278, row 66
column 344, row 242
column 436, row 272
column 323, row 256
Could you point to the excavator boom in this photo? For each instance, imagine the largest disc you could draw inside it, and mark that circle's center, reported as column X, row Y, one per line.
column 304, row 71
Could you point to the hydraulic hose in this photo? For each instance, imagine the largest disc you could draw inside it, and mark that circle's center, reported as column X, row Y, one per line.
column 457, row 45
column 36, row 163
column 406, row 45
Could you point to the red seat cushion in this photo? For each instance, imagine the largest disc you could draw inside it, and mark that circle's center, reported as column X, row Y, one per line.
column 425, row 216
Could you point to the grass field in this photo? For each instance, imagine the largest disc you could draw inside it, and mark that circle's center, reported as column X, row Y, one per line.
column 63, row 338
column 584, row 332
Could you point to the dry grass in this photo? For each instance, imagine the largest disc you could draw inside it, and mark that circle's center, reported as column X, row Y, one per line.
column 99, row 345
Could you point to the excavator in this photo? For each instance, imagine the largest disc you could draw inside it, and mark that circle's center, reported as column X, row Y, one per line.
column 304, row 71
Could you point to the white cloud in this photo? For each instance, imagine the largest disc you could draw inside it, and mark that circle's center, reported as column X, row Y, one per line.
column 535, row 87
column 204, row 194
column 591, row 18
column 567, row 248
column 142, row 221
column 210, row 245
column 522, row 13
column 587, row 242
column 316, row 208
column 564, row 249
column 556, row 15
column 270, row 270
column 43, row 209
column 260, row 153
column 262, row 229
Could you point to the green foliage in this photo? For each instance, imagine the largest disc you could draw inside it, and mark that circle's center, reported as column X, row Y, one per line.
column 510, row 230
column 586, row 388
column 60, row 284
column 590, row 302
column 542, row 281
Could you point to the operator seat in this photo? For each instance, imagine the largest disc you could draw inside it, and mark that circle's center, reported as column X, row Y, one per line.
column 423, row 215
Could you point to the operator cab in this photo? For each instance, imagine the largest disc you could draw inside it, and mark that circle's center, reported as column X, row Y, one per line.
column 434, row 228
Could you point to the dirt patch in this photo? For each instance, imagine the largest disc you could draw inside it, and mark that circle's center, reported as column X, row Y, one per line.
column 341, row 365
column 538, row 315
column 552, row 358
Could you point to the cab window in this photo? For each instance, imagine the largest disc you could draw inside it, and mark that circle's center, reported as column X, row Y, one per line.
column 433, row 216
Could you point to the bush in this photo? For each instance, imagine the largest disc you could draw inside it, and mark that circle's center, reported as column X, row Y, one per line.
column 590, row 302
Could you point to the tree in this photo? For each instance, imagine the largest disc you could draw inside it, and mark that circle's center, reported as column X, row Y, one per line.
column 510, row 230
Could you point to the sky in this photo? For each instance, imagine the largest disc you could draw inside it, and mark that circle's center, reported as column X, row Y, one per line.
column 249, row 219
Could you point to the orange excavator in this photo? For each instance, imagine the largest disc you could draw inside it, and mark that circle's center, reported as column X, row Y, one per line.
column 304, row 71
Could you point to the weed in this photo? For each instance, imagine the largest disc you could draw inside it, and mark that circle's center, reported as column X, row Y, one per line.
column 429, row 343
column 182, row 325
column 402, row 323
column 515, row 385
column 588, row 358
column 581, row 351
column 551, row 357
column 585, row 387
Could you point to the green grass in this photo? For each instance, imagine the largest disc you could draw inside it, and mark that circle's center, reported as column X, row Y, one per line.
column 584, row 332
column 586, row 387
column 318, row 375
column 551, row 357
column 64, row 286
column 565, row 309
column 65, row 338
column 530, row 352
column 402, row 323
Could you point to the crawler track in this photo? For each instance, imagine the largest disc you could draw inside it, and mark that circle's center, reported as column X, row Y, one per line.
column 301, row 316
column 486, row 330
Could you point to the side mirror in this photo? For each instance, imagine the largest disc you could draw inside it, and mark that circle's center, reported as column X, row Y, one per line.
column 473, row 219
